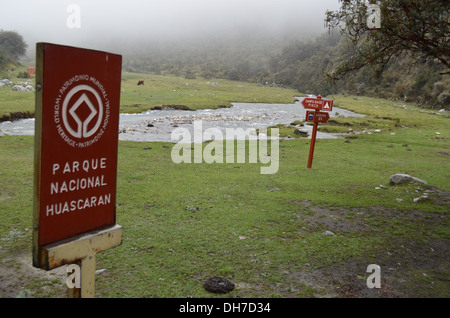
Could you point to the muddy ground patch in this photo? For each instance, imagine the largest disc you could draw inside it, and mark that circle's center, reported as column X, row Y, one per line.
column 410, row 266
column 19, row 279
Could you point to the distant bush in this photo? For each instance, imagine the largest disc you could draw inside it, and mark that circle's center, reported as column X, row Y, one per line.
column 444, row 100
column 189, row 75
column 22, row 75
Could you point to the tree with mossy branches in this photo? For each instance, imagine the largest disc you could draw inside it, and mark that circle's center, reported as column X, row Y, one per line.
column 417, row 28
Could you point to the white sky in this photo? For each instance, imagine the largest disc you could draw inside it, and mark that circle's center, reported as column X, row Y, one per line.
column 108, row 20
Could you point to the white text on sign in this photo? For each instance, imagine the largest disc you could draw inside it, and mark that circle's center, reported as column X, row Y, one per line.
column 92, row 166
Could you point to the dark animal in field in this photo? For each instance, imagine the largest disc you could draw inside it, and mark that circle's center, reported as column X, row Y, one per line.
column 140, row 83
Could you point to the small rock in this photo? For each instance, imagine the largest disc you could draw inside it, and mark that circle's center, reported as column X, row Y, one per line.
column 22, row 87
column 329, row 233
column 420, row 199
column 301, row 132
column 399, row 200
column 6, row 82
column 19, row 88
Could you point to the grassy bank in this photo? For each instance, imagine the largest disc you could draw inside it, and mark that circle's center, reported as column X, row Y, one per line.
column 162, row 91
column 189, row 222
column 193, row 93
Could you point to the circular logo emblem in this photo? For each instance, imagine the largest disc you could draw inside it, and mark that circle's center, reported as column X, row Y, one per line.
column 81, row 111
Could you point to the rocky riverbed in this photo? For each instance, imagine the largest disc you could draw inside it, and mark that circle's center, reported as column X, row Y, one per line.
column 18, row 87
column 158, row 125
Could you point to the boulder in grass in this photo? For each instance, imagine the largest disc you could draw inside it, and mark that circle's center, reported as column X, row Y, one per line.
column 22, row 87
column 6, row 82
column 400, row 178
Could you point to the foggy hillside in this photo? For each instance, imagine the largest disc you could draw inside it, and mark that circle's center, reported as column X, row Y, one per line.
column 282, row 42
column 121, row 25
column 210, row 38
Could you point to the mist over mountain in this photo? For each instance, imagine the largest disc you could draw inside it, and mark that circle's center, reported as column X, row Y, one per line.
column 211, row 38
column 119, row 25
column 277, row 42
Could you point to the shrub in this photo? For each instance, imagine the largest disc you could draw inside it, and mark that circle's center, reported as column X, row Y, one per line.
column 22, row 75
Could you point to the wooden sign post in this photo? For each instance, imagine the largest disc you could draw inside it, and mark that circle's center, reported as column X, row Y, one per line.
column 76, row 140
column 31, row 70
column 316, row 116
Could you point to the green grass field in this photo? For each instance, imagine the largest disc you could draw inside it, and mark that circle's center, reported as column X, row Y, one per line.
column 160, row 91
column 185, row 223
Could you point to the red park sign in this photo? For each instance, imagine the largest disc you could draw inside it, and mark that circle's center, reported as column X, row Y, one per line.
column 318, row 103
column 76, row 139
column 316, row 116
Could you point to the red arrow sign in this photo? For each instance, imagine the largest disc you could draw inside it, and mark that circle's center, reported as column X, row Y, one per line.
column 318, row 103
column 315, row 116
column 313, row 103
column 322, row 117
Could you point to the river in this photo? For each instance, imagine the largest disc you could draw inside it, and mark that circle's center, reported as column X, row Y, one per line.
column 158, row 125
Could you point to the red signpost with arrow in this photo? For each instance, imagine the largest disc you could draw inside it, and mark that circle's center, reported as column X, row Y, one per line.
column 316, row 116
